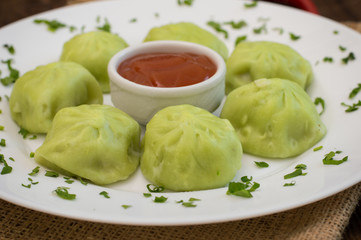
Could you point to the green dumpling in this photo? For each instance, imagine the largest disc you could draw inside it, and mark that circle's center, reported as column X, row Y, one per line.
column 39, row 94
column 93, row 50
column 254, row 60
column 186, row 31
column 97, row 142
column 273, row 118
column 186, row 148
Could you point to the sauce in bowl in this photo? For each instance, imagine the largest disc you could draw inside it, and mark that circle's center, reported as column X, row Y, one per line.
column 167, row 69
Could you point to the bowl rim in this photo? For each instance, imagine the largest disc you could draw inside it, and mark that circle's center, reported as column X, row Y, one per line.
column 171, row 46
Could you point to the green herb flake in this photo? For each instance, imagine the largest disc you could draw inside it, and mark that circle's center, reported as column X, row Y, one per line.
column 328, row 59
column 279, row 30
column 262, row 164
column 317, row 148
column 53, row 25
column 2, row 128
column 106, row 27
column 294, row 37
column 32, row 181
column 240, row 39
column 349, row 57
column 32, row 154
column 297, row 172
column 218, row 27
column 126, row 206
column 133, row 20
column 6, row 170
column 329, row 159
column 185, row 2
column 355, row 91
column 261, row 29
column 13, row 75
column 68, row 180
column 160, row 199
column 251, row 5
column 35, row 171
column 188, row 204
column 244, row 188
column 193, row 199
column 105, row 194
column 3, row 142
column 342, row 49
column 51, row 174
column 289, row 184
column 320, row 101
column 63, row 193
column 82, row 181
column 26, row 186
column 12, row 159
column 236, row 25
column 353, row 107
column 154, row 188
column 335, row 32
column 10, row 48
column 147, row 195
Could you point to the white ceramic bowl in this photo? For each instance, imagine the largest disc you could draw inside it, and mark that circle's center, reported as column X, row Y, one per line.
column 142, row 102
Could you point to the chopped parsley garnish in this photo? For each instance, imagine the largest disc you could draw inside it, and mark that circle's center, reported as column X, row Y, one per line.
column 350, row 57
column 262, row 164
column 185, row 2
column 260, row 29
column 106, row 27
column 329, row 159
column 10, row 48
column 218, row 27
column 328, row 59
column 236, row 25
column 160, row 199
column 189, row 203
column 294, row 37
column 133, row 20
column 68, row 180
column 64, row 193
column 279, row 30
column 289, row 184
column 3, row 142
column 105, row 194
column 2, row 128
column 251, row 5
column 51, row 174
column 13, row 75
column 147, row 195
column 297, row 172
column 154, row 188
column 243, row 188
column 342, row 48
column 353, row 107
column 25, row 134
column 126, row 206
column 355, row 91
column 26, row 186
column 32, row 181
column 82, row 181
column 53, row 25
column 317, row 148
column 320, row 101
column 35, row 171
column 335, row 32
column 6, row 169
column 240, row 39
column 32, row 154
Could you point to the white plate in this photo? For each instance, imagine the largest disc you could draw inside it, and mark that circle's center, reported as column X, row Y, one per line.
column 333, row 81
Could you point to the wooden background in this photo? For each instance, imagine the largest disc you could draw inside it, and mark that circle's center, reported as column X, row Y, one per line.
column 338, row 10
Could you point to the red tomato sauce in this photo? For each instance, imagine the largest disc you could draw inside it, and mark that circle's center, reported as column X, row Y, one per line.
column 167, row 69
